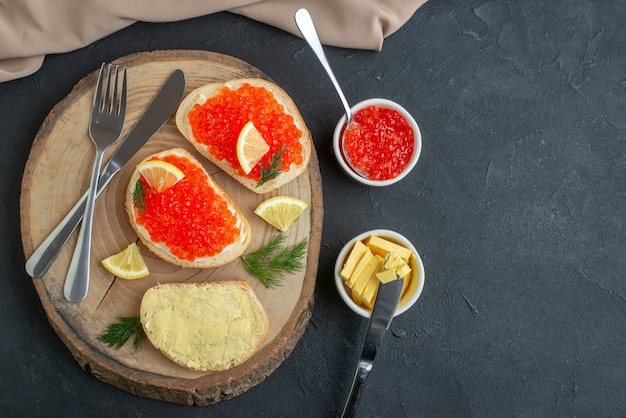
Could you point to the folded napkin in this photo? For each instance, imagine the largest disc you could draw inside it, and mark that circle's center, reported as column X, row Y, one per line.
column 30, row 29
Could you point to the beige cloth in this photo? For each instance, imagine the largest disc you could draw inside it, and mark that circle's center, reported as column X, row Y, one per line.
column 30, row 29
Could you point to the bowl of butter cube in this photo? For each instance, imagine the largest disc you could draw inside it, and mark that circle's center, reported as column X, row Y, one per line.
column 373, row 257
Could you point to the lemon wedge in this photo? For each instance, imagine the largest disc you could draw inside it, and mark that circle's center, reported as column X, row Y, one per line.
column 160, row 175
column 281, row 211
column 127, row 264
column 251, row 147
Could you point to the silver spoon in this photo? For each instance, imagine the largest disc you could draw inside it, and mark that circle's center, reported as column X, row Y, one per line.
column 307, row 29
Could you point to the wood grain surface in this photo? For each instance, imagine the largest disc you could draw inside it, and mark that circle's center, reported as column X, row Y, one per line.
column 56, row 176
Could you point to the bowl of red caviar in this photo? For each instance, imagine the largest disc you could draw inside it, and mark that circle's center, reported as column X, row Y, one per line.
column 380, row 146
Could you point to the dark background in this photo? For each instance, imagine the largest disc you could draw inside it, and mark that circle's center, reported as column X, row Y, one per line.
column 517, row 207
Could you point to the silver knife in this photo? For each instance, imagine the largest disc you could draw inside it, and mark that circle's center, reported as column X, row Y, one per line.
column 382, row 314
column 153, row 118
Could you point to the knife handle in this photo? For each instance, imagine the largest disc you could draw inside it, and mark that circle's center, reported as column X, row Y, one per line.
column 39, row 263
column 352, row 404
column 43, row 257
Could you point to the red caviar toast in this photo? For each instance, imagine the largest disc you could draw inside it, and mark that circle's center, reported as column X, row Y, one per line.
column 194, row 223
column 212, row 116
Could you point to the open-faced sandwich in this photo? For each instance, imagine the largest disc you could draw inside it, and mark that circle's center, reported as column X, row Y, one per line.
column 204, row 326
column 250, row 128
column 182, row 215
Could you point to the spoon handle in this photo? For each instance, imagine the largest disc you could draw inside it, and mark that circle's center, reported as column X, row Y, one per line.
column 307, row 29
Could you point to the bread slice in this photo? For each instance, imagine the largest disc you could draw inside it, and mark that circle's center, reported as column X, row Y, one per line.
column 172, row 253
column 204, row 326
column 202, row 94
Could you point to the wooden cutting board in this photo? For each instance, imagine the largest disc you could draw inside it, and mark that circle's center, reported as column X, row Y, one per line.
column 56, row 176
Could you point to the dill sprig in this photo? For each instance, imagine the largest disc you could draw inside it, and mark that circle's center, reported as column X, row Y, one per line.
column 273, row 170
column 118, row 333
column 270, row 267
column 138, row 196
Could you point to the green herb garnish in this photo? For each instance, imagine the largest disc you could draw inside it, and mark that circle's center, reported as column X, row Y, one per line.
column 273, row 170
column 118, row 333
column 138, row 196
column 270, row 268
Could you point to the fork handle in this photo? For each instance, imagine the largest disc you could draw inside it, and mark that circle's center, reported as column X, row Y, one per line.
column 77, row 279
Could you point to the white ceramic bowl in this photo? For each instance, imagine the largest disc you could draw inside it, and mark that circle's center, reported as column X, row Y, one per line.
column 341, row 158
column 415, row 285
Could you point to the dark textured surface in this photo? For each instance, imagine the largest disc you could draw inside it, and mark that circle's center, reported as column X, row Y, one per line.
column 517, row 206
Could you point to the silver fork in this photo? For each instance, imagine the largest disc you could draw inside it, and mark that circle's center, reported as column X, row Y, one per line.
column 105, row 127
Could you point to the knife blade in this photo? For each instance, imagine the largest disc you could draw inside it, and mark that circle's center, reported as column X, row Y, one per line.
column 162, row 106
column 382, row 314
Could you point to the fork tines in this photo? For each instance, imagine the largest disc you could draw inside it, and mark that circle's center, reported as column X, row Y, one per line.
column 107, row 102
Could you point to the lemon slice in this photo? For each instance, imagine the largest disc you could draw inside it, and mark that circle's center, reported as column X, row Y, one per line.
column 127, row 264
column 251, row 147
column 281, row 211
column 160, row 175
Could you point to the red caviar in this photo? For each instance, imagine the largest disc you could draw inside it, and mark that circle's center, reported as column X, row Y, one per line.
column 380, row 142
column 189, row 217
column 217, row 123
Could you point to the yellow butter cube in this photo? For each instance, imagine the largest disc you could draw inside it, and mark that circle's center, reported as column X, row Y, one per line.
column 393, row 261
column 407, row 280
column 355, row 296
column 382, row 247
column 361, row 265
column 359, row 285
column 386, row 276
column 357, row 252
column 403, row 270
column 369, row 294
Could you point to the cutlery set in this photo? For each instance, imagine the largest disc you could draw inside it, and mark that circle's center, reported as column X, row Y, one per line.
column 154, row 117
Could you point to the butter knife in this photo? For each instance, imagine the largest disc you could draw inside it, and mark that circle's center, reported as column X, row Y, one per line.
column 154, row 117
column 380, row 319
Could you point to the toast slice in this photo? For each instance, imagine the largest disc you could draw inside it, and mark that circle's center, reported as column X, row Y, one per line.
column 212, row 116
column 207, row 327
column 192, row 224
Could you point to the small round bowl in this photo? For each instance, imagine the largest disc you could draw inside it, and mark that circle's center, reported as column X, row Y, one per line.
column 413, row 289
column 341, row 158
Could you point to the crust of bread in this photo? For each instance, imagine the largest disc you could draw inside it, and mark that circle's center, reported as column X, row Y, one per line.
column 201, row 94
column 227, row 255
column 164, row 321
